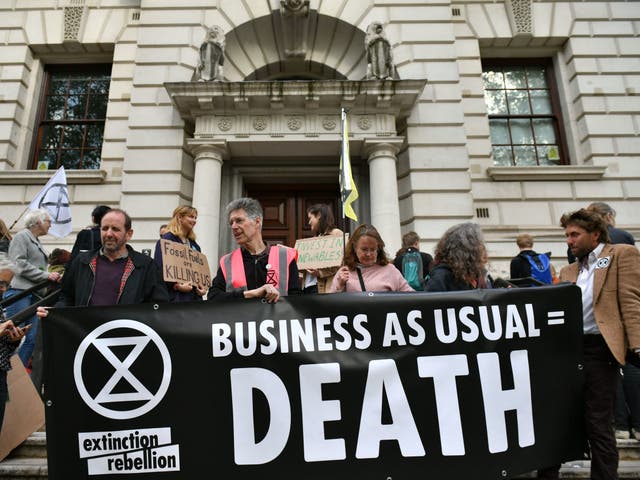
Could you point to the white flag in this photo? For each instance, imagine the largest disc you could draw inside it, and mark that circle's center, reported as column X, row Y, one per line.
column 54, row 198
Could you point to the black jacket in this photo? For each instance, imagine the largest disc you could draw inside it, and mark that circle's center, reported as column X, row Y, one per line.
column 520, row 266
column 255, row 270
column 144, row 284
column 441, row 279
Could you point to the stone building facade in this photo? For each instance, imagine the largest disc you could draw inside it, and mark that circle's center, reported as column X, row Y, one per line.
column 503, row 112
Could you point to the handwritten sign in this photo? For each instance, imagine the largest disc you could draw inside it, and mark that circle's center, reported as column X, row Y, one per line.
column 319, row 252
column 181, row 264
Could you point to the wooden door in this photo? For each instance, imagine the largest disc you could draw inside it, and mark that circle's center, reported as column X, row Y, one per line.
column 285, row 209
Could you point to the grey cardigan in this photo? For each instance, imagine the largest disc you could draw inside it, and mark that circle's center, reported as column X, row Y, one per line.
column 31, row 259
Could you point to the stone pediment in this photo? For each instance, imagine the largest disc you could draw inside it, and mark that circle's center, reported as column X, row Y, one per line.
column 262, row 111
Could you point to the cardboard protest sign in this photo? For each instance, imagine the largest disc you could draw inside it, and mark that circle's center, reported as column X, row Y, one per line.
column 24, row 413
column 319, row 252
column 183, row 264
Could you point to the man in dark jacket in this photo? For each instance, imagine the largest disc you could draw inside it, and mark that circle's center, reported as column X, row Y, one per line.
column 114, row 274
column 520, row 266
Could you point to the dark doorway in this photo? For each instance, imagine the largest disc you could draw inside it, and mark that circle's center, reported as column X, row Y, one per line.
column 285, row 209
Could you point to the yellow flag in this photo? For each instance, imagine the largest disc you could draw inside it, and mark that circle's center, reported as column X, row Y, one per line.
column 348, row 189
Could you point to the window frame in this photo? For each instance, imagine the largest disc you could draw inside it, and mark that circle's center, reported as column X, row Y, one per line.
column 554, row 98
column 41, row 121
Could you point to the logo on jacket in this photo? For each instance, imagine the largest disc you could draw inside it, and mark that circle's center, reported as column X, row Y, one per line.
column 603, row 262
column 122, row 369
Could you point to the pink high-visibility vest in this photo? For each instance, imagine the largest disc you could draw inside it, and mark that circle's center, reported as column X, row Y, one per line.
column 280, row 257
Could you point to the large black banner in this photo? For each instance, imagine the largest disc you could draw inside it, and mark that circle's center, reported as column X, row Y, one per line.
column 481, row 384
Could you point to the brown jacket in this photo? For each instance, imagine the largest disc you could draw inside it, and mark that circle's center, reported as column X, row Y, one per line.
column 616, row 296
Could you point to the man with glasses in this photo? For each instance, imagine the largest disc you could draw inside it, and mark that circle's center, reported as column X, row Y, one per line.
column 254, row 270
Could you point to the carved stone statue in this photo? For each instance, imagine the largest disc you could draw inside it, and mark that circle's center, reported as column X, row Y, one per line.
column 379, row 61
column 211, row 56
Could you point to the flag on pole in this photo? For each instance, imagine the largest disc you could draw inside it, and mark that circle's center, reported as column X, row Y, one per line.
column 348, row 189
column 54, row 198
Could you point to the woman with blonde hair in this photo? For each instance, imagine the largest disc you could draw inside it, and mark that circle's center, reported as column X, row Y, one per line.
column 180, row 230
column 367, row 267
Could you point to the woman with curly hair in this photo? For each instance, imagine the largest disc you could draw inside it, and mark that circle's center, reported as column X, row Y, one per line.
column 180, row 230
column 367, row 267
column 460, row 260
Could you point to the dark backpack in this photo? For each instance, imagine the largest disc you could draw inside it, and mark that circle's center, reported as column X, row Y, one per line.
column 412, row 269
column 540, row 267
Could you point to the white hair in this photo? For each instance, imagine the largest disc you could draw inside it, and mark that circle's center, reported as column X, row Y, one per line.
column 34, row 217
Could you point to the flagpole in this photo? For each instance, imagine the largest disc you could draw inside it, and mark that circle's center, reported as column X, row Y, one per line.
column 19, row 217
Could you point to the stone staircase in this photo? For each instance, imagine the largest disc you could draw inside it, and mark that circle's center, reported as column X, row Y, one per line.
column 29, row 462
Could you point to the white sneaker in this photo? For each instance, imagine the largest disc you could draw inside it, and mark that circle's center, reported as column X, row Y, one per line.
column 624, row 434
column 636, row 434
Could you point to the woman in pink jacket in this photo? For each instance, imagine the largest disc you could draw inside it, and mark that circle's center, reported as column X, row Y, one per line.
column 366, row 266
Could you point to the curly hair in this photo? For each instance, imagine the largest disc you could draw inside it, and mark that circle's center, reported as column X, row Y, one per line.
column 364, row 230
column 174, row 226
column 590, row 220
column 462, row 249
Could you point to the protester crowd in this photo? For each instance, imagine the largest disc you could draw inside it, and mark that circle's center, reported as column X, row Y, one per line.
column 103, row 269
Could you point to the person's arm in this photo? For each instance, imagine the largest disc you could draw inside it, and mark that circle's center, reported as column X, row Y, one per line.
column 294, row 288
column 19, row 254
column 218, row 289
column 155, row 289
column 628, row 263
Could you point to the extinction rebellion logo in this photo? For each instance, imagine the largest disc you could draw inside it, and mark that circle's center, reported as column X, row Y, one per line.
column 122, row 370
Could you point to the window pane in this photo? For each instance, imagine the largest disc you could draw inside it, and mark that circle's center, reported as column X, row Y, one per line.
column 492, row 79
column 72, row 136
column 521, row 131
column 502, row 156
column 525, row 155
column 543, row 130
column 536, row 76
column 549, row 155
column 100, row 85
column 78, row 86
column 541, row 102
column 496, row 102
column 51, row 136
column 515, row 78
column 499, row 132
column 97, row 107
column 91, row 159
column 48, row 159
column 70, row 158
column 518, row 102
column 94, row 136
column 76, row 107
column 55, row 107
column 58, row 86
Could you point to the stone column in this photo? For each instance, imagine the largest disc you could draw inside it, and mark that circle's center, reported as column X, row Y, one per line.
column 208, row 159
column 385, row 209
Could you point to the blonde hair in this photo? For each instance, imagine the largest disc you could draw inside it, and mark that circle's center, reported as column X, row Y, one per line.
column 524, row 240
column 174, row 226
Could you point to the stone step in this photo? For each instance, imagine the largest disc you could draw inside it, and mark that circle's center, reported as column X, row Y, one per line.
column 20, row 468
column 29, row 462
column 33, row 447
